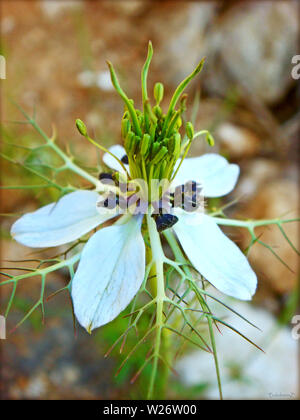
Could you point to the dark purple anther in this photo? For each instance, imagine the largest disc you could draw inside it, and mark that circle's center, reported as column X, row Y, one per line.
column 125, row 159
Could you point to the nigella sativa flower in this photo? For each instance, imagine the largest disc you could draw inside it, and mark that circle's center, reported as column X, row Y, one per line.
column 112, row 265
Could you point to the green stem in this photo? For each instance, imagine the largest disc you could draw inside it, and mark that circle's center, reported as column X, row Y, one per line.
column 68, row 162
column 250, row 224
column 44, row 271
column 160, row 338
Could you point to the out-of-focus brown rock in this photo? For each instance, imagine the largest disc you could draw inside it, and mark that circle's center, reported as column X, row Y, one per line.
column 236, row 130
column 237, row 141
column 250, row 43
column 253, row 45
column 182, row 37
column 52, row 9
column 278, row 198
column 255, row 174
column 127, row 8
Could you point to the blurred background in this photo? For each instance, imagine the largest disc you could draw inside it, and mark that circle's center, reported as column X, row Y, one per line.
column 55, row 63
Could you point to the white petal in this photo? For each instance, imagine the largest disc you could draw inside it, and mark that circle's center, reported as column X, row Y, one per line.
column 216, row 175
column 215, row 256
column 110, row 161
column 59, row 223
column 110, row 273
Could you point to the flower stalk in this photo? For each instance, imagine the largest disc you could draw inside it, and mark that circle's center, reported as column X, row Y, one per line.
column 158, row 259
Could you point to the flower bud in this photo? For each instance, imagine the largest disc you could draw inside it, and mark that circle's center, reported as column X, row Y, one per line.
column 210, row 140
column 158, row 92
column 189, row 130
column 81, row 127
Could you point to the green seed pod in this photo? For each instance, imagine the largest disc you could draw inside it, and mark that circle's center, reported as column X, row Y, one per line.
column 159, row 155
column 189, row 130
column 125, row 127
column 81, row 127
column 145, row 146
column 158, row 92
column 210, row 140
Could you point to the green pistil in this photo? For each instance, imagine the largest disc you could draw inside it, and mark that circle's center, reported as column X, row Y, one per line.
column 152, row 139
column 144, row 85
column 128, row 103
column 179, row 91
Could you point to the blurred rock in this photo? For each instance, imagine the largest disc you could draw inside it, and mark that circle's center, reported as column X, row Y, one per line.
column 254, row 175
column 7, row 24
column 182, row 37
column 54, row 8
column 36, row 387
column 101, row 79
column 246, row 372
column 53, row 364
column 276, row 198
column 127, row 7
column 237, row 141
column 253, row 45
column 237, row 132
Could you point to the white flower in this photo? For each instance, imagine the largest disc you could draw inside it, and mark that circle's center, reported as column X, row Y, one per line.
column 112, row 264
